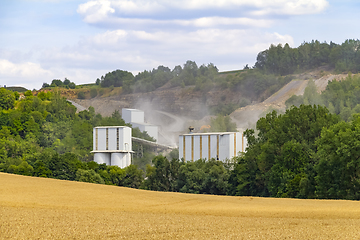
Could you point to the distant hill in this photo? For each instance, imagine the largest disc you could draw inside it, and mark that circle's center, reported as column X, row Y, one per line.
column 17, row 89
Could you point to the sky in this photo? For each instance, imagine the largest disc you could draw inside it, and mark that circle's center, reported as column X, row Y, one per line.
column 82, row 40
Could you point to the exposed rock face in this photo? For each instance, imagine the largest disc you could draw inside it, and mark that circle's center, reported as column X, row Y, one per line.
column 180, row 101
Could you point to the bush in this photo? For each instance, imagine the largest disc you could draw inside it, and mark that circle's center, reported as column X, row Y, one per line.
column 81, row 95
column 72, row 85
column 93, row 93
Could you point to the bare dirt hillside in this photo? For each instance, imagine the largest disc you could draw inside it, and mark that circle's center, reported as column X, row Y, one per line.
column 247, row 116
column 179, row 101
column 39, row 208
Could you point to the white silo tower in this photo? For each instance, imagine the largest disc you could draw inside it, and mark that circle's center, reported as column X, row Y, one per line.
column 112, row 145
column 217, row 145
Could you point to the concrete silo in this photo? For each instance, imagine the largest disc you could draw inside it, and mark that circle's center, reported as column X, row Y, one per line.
column 136, row 118
column 112, row 145
column 217, row 145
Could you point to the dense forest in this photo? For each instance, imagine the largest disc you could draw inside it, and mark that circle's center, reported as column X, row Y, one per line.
column 281, row 60
column 310, row 151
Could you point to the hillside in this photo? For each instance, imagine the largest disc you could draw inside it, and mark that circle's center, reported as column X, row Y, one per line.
column 247, row 116
column 34, row 208
column 174, row 109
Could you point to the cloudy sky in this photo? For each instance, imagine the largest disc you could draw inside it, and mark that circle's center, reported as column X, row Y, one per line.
column 81, row 40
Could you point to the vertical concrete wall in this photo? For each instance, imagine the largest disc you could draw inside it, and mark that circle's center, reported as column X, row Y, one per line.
column 112, row 145
column 132, row 115
column 219, row 146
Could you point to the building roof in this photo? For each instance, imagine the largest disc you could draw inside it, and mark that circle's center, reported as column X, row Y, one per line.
column 144, row 124
column 209, row 133
column 133, row 109
column 112, row 127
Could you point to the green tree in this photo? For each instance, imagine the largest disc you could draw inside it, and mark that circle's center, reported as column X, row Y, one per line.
column 338, row 165
column 88, row 176
column 7, row 99
column 279, row 161
column 158, row 175
column 133, row 177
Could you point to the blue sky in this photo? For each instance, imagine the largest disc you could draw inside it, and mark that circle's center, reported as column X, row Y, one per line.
column 41, row 40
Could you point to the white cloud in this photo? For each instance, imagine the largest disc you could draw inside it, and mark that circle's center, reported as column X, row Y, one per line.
column 95, row 11
column 137, row 50
column 132, row 51
column 223, row 21
column 27, row 69
column 204, row 12
column 276, row 6
column 27, row 74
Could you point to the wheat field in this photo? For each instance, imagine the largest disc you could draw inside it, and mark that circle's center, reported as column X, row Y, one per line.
column 39, row 208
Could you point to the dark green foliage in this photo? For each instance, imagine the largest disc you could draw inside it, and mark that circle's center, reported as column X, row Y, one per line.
column 88, row 176
column 202, row 176
column 72, row 85
column 58, row 83
column 339, row 164
column 64, row 166
column 81, row 95
column 163, row 175
column 23, row 169
column 158, row 175
column 116, row 78
column 150, row 80
column 133, row 177
column 66, row 82
column 7, row 99
column 279, row 161
column 93, row 92
column 286, row 60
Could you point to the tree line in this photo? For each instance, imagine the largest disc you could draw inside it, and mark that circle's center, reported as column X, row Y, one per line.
column 307, row 152
column 284, row 60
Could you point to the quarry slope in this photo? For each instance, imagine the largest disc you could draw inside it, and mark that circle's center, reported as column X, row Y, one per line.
column 175, row 109
column 39, row 208
column 247, row 116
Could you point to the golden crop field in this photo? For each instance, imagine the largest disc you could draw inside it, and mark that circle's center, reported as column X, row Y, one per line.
column 39, row 208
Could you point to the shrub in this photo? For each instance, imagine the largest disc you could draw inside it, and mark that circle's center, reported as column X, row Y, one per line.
column 81, row 95
column 93, row 93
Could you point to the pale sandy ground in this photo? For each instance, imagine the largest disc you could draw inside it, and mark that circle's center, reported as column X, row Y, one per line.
column 38, row 208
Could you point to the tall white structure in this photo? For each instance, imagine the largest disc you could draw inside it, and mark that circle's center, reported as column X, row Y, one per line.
column 112, row 145
column 136, row 118
column 132, row 115
column 217, row 145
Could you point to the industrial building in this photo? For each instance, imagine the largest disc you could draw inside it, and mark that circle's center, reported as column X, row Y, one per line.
column 136, row 118
column 217, row 145
column 132, row 115
column 112, row 145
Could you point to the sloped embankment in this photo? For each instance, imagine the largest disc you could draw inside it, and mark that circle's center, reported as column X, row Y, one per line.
column 247, row 116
